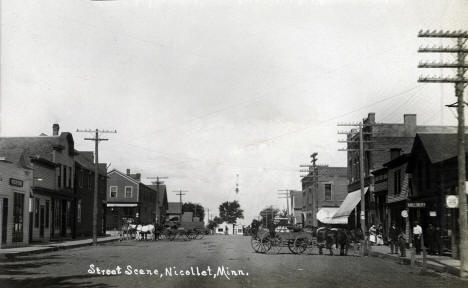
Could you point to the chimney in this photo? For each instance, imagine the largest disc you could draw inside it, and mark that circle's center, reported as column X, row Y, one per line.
column 128, row 171
column 371, row 118
column 55, row 129
column 410, row 124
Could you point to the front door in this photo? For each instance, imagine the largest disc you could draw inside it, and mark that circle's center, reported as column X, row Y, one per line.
column 4, row 220
column 42, row 222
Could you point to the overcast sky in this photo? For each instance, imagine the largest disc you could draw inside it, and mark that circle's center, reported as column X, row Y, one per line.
column 200, row 91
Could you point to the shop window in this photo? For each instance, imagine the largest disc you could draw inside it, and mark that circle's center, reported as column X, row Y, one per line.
column 78, row 211
column 47, row 213
column 18, row 211
column 36, row 213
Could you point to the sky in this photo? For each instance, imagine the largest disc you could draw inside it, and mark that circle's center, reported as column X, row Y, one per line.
column 200, row 91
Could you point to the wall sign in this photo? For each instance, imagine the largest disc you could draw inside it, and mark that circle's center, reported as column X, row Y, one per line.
column 432, row 213
column 16, row 182
column 416, row 204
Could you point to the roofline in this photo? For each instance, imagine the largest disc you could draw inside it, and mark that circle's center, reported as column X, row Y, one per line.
column 124, row 175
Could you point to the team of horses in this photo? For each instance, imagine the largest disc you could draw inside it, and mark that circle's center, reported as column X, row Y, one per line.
column 170, row 230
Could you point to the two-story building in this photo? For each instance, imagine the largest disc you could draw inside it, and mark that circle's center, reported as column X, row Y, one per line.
column 434, row 173
column 15, row 188
column 325, row 195
column 84, row 195
column 380, row 139
column 52, row 159
column 128, row 199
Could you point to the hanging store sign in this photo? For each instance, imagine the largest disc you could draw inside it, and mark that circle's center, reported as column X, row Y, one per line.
column 16, row 182
column 451, row 201
column 432, row 213
column 416, row 204
column 404, row 213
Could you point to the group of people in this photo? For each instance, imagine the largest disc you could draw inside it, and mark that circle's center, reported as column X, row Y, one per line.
column 397, row 238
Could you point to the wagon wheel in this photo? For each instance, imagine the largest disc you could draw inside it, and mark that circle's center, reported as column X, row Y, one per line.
column 299, row 245
column 276, row 243
column 312, row 247
column 260, row 245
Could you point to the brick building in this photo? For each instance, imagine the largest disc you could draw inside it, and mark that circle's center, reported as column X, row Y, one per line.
column 330, row 192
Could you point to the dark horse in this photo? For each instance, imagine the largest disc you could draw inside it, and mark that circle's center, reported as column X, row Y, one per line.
column 337, row 238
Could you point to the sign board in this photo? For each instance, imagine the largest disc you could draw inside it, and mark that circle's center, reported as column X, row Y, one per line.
column 416, row 204
column 432, row 213
column 16, row 182
column 404, row 213
column 451, row 201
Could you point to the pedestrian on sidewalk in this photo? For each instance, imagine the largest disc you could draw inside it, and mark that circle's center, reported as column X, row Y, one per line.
column 373, row 235
column 430, row 233
column 417, row 233
column 437, row 241
column 402, row 243
column 393, row 239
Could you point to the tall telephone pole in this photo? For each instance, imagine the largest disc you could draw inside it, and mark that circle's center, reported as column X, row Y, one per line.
column 96, row 140
column 351, row 139
column 285, row 195
column 180, row 193
column 157, row 183
column 460, row 81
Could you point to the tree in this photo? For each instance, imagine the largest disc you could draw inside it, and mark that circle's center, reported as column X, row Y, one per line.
column 196, row 209
column 217, row 220
column 230, row 212
column 268, row 214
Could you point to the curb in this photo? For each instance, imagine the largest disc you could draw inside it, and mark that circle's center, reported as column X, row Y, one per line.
column 52, row 248
column 438, row 267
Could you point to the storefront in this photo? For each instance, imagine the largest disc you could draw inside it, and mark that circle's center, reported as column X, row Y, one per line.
column 14, row 204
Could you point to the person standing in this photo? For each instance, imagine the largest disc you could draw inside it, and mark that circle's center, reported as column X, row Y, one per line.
column 393, row 239
column 402, row 243
column 417, row 233
column 430, row 233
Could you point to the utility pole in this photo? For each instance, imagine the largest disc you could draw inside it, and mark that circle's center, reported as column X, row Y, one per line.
column 96, row 140
column 314, row 171
column 351, row 135
column 460, row 82
column 180, row 193
column 285, row 195
column 157, row 183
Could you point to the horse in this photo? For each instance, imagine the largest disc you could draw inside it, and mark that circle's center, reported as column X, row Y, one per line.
column 332, row 238
column 356, row 237
column 142, row 231
column 127, row 230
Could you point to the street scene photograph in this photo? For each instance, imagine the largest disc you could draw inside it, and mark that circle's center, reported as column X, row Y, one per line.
column 236, row 143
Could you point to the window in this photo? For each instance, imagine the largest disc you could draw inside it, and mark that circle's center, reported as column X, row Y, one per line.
column 220, row 230
column 47, row 207
column 65, row 176
column 397, row 182
column 69, row 177
column 328, row 192
column 78, row 211
column 113, row 191
column 18, row 210
column 128, row 191
column 36, row 213
column 90, row 181
column 59, row 176
column 81, row 179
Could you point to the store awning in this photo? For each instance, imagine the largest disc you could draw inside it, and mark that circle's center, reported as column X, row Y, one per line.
column 325, row 215
column 122, row 205
column 350, row 202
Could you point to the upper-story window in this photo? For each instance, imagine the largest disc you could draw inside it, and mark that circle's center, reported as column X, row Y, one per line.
column 59, row 176
column 65, row 179
column 113, row 191
column 328, row 192
column 128, row 191
column 397, row 182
